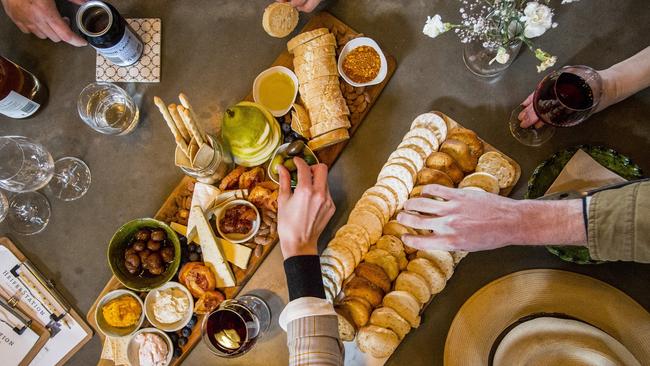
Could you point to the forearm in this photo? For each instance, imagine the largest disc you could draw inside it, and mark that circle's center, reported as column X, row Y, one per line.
column 549, row 222
column 625, row 78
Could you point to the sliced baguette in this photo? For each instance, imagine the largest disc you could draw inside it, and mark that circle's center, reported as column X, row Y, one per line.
column 384, row 260
column 405, row 304
column 435, row 279
column 414, row 284
column 361, row 287
column 388, row 318
column 347, row 329
column 494, row 163
column 377, row 341
column 375, row 274
column 357, row 309
column 441, row 259
column 305, row 37
column 279, row 19
column 485, row 181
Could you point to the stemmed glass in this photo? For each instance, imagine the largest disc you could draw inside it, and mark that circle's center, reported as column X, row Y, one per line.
column 25, row 167
column 564, row 98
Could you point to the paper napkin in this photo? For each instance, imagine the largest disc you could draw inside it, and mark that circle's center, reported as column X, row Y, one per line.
column 582, row 173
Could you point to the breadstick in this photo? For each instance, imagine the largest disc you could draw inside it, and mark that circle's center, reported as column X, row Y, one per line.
column 191, row 125
column 170, row 123
column 179, row 122
column 186, row 103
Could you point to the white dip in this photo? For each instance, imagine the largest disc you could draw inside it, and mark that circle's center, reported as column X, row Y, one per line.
column 170, row 305
column 153, row 349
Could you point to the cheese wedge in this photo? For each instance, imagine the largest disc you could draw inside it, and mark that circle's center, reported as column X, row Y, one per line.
column 204, row 196
column 212, row 253
column 234, row 253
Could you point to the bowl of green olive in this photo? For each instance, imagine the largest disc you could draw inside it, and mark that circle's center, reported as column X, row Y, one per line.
column 284, row 155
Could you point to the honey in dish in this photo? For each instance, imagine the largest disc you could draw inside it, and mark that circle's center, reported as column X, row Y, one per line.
column 276, row 91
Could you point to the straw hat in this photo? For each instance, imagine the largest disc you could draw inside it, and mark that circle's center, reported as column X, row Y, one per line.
column 544, row 317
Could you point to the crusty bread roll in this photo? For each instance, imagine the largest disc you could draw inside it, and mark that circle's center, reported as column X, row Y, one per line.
column 414, row 284
column 374, row 274
column 388, row 318
column 461, row 154
column 485, row 181
column 361, row 287
column 384, row 260
column 470, row 138
column 279, row 19
column 405, row 304
column 395, row 247
column 357, row 309
column 441, row 259
column 434, row 176
column 434, row 277
column 443, row 162
column 496, row 164
column 377, row 341
column 347, row 329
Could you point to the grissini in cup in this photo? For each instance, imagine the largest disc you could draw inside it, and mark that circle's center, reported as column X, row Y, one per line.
column 170, row 123
column 191, row 125
column 186, row 103
column 173, row 111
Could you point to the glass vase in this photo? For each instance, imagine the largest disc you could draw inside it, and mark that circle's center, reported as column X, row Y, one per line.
column 481, row 60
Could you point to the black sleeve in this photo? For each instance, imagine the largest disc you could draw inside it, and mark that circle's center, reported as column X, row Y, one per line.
column 304, row 277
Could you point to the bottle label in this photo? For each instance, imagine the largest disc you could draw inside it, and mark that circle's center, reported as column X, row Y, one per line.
column 126, row 52
column 15, row 105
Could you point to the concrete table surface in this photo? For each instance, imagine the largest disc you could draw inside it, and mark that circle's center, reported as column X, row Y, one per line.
column 212, row 50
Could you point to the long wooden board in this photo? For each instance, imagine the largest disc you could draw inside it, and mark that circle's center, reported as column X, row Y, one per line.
column 327, row 156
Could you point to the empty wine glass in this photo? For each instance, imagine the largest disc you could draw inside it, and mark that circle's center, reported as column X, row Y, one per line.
column 25, row 167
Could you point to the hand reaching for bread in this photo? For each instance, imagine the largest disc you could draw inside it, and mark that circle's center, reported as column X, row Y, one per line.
column 471, row 220
column 306, row 6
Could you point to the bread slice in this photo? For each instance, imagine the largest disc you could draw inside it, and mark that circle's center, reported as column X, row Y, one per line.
column 433, row 122
column 329, row 288
column 305, row 37
column 405, row 304
column 332, row 275
column 347, row 329
column 396, row 229
column 361, row 287
column 356, row 233
column 395, row 247
column 434, row 176
column 280, row 19
column 300, row 121
column 441, row 259
column 353, row 246
column 335, row 263
column 375, row 274
column 377, row 203
column 414, row 156
column 470, row 138
column 328, row 139
column 398, row 170
column 377, row 341
column 385, row 194
column 425, row 133
column 388, row 318
column 445, row 163
column 323, row 127
column 433, row 276
column 461, row 154
column 414, row 284
column 423, row 144
column 344, row 255
column 384, row 260
column 357, row 309
column 496, row 164
column 399, row 186
column 369, row 220
column 485, row 181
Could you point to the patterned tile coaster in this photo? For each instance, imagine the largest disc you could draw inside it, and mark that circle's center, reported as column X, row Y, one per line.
column 147, row 69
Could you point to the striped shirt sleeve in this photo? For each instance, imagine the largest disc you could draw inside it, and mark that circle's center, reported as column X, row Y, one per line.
column 313, row 340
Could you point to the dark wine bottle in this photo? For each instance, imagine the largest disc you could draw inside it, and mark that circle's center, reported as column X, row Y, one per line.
column 21, row 93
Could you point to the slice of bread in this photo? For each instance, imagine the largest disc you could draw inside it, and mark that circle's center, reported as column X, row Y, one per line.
column 469, row 137
column 384, row 260
column 328, row 139
column 405, row 304
column 361, row 287
column 356, row 233
column 354, row 247
column 461, row 154
column 395, row 247
column 444, row 162
column 385, row 194
column 334, row 263
column 377, row 341
column 433, row 122
column 344, row 255
column 394, row 228
column 357, row 309
column 347, row 329
column 397, row 170
column 485, row 181
column 280, row 19
column 435, row 279
column 434, row 176
column 369, row 220
column 305, row 37
column 388, row 318
column 374, row 274
column 331, row 279
column 414, row 284
column 494, row 163
column 425, row 133
column 441, row 259
column 378, row 204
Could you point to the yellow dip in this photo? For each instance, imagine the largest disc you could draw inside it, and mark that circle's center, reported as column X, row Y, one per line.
column 122, row 312
column 276, row 91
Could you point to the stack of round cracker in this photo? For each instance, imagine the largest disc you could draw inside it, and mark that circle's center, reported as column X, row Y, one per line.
column 315, row 65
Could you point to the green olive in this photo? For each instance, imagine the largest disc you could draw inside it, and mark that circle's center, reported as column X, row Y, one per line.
column 290, row 165
column 310, row 159
column 277, row 161
column 295, row 148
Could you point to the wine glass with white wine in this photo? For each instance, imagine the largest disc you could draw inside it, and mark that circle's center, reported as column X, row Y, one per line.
column 25, row 167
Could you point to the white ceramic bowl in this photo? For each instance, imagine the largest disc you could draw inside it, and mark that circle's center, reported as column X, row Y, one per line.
column 280, row 150
column 358, row 42
column 149, row 302
column 256, row 90
column 238, row 238
column 108, row 330
column 132, row 349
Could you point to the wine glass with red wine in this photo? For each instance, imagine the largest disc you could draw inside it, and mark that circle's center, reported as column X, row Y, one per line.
column 564, row 98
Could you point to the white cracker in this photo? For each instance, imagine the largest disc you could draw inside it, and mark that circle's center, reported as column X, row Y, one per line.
column 433, row 122
column 399, row 171
column 426, row 134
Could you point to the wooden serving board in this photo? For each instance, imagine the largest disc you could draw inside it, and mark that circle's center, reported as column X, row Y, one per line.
column 353, row 355
column 327, row 156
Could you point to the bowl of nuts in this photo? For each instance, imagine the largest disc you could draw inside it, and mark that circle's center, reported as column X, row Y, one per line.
column 144, row 254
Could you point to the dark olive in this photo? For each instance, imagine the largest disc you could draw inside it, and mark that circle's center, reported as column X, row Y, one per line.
column 158, row 235
column 144, row 254
column 132, row 263
column 129, row 252
column 295, row 148
column 167, row 254
column 142, row 235
column 152, row 262
column 310, row 159
column 153, row 245
column 139, row 246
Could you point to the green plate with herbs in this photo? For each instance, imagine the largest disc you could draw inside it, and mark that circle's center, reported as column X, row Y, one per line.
column 545, row 174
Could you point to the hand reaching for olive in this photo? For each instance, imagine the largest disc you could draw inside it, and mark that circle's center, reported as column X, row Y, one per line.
column 303, row 214
column 41, row 18
column 306, row 6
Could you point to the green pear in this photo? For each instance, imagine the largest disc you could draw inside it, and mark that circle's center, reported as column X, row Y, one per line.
column 245, row 127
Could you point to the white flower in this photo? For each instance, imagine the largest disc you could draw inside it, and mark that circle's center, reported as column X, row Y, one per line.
column 538, row 19
column 502, row 56
column 546, row 58
column 435, row 27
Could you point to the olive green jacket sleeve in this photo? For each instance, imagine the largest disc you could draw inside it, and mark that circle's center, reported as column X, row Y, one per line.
column 618, row 224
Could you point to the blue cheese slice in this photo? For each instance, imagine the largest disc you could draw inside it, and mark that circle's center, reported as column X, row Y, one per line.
column 212, row 252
